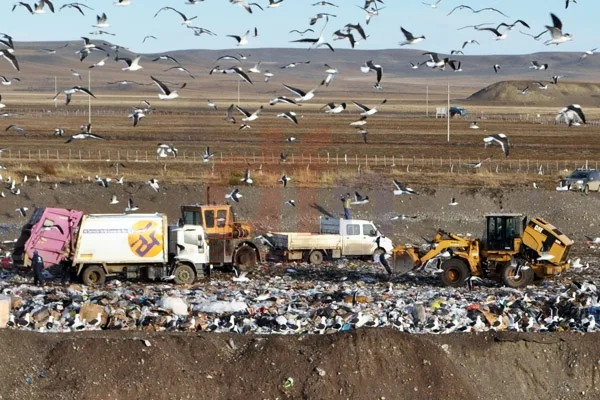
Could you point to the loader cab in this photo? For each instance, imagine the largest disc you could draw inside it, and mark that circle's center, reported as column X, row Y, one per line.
column 502, row 230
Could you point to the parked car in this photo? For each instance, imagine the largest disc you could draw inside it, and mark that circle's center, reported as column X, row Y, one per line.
column 584, row 180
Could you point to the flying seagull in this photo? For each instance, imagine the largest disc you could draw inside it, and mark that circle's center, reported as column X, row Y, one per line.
column 500, row 139
column 573, row 115
column 369, row 66
column 241, row 40
column 207, row 154
column 239, row 72
column 410, row 38
column 333, row 109
column 402, row 189
column 132, row 65
column 247, row 179
column 290, row 115
column 154, row 184
column 186, row 20
column 556, row 31
column 234, row 195
column 167, row 94
column 284, row 180
column 101, row 21
column 131, row 206
column 245, row 5
column 248, row 117
column 163, row 150
column 366, row 111
column 7, row 54
column 358, row 199
column 302, row 96
column 73, row 90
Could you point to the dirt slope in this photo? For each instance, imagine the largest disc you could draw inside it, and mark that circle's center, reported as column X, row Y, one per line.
column 509, row 92
column 373, row 364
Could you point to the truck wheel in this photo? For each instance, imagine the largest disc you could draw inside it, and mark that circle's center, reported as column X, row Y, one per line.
column 93, row 275
column 184, row 274
column 507, row 273
column 456, row 272
column 245, row 258
column 315, row 257
column 586, row 189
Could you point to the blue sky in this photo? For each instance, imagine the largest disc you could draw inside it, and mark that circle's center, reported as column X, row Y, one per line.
column 132, row 23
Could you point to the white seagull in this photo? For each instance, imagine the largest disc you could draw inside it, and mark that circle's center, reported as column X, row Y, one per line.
column 186, row 20
column 235, row 195
column 402, row 189
column 556, row 32
column 500, row 139
column 410, row 38
column 366, row 111
column 302, row 96
column 167, row 94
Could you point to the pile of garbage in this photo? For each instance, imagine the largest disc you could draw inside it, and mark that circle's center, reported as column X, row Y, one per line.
column 278, row 299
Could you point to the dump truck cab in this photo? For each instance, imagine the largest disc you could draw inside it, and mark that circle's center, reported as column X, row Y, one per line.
column 229, row 241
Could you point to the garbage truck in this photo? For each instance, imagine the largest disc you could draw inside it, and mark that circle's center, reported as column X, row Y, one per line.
column 138, row 246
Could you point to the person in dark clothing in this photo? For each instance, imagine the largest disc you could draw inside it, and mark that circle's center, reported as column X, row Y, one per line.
column 37, row 263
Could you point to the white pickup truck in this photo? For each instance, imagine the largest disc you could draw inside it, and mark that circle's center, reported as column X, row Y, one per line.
column 336, row 238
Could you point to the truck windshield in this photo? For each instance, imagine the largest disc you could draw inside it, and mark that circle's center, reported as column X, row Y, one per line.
column 192, row 218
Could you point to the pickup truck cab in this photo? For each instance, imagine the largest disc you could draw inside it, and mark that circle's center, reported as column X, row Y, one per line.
column 336, row 238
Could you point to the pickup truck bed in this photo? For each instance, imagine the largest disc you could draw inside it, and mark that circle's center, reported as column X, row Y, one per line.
column 306, row 241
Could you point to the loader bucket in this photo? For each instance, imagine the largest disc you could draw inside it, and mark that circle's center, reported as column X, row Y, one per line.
column 403, row 264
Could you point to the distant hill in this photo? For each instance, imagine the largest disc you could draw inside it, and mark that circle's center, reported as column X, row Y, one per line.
column 39, row 68
column 509, row 92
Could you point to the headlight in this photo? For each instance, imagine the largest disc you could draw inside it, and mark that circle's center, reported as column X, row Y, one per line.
column 580, row 182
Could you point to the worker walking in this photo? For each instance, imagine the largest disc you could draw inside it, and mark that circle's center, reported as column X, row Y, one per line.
column 37, row 263
column 346, row 200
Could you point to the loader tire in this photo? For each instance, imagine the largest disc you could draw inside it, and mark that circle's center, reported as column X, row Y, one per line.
column 316, row 257
column 93, row 275
column 507, row 273
column 586, row 189
column 184, row 274
column 456, row 272
column 245, row 258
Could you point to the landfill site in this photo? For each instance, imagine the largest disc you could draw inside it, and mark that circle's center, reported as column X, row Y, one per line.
column 381, row 200
column 343, row 329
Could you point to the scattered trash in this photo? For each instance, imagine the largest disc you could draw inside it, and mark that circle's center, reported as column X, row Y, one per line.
column 320, row 371
column 289, row 382
column 312, row 301
column 175, row 304
column 232, row 344
column 147, row 343
column 42, row 374
column 28, row 380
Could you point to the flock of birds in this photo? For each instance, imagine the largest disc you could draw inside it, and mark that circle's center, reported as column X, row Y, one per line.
column 353, row 33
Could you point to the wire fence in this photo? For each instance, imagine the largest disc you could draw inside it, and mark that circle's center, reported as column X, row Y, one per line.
column 109, row 112
column 400, row 162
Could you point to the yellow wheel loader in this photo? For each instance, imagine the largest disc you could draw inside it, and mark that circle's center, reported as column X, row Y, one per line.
column 513, row 248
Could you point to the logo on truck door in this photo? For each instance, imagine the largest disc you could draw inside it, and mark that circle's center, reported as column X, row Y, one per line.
column 146, row 239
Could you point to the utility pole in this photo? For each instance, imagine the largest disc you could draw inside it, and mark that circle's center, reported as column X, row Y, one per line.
column 238, row 90
column 448, row 112
column 90, row 97
column 427, row 100
column 55, row 91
